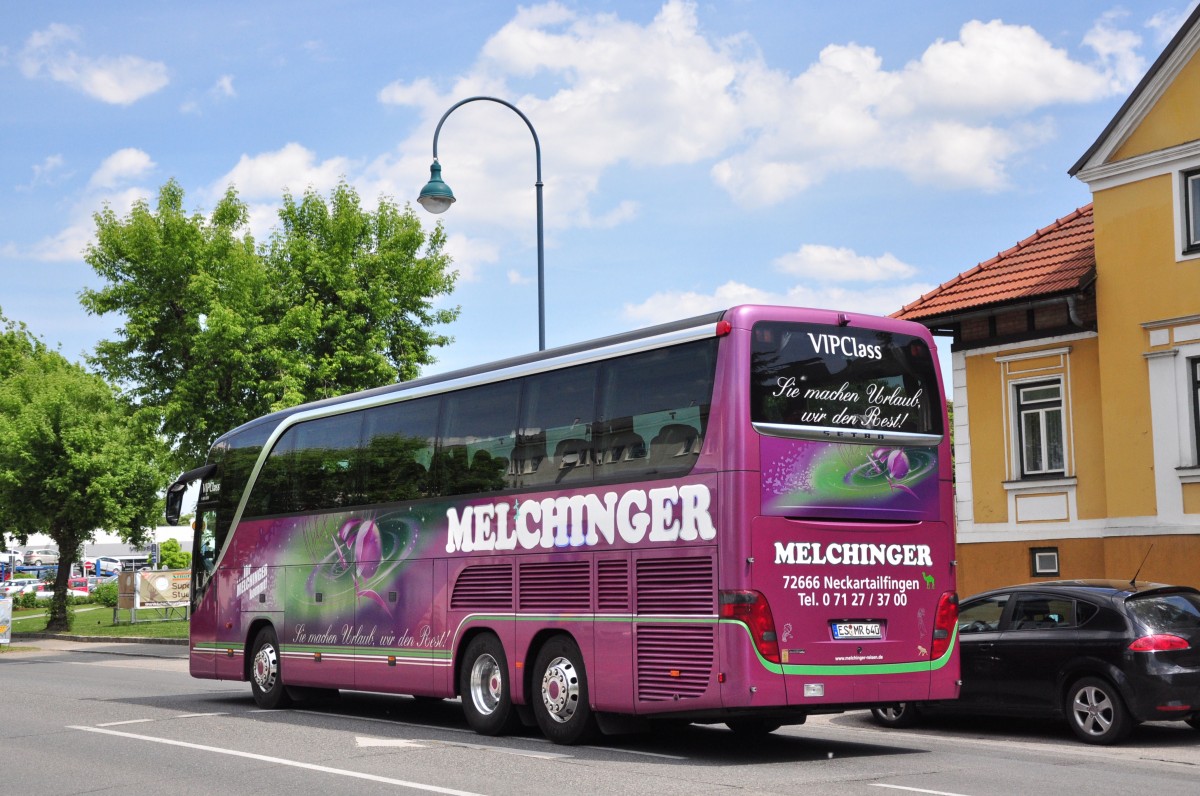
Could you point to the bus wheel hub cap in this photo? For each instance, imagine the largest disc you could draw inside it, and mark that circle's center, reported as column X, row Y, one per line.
column 265, row 666
column 560, row 690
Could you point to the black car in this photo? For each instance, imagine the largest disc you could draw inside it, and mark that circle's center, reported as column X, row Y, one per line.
column 1105, row 654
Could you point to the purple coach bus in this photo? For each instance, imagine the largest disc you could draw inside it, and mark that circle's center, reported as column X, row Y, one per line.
column 743, row 518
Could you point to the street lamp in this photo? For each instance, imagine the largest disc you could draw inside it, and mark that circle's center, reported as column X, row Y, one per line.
column 436, row 197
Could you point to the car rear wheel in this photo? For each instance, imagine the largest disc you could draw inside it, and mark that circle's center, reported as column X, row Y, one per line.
column 902, row 714
column 1096, row 713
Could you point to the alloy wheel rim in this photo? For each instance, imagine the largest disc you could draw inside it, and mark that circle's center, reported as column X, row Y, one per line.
column 560, row 690
column 487, row 684
column 266, row 667
column 1093, row 710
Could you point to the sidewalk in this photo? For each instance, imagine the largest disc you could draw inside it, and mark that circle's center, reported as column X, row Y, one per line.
column 106, row 645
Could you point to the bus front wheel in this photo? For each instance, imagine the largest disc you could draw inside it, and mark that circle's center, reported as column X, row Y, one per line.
column 485, row 688
column 560, row 698
column 266, row 680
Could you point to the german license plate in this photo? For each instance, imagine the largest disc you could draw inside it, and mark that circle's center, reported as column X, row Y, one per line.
column 856, row 630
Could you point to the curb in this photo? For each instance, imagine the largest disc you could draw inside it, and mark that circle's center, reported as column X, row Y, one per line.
column 99, row 639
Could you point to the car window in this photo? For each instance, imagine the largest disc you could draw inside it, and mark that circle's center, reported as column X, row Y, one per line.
column 1163, row 613
column 980, row 616
column 1041, row 612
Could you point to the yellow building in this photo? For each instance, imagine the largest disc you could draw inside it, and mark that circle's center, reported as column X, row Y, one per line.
column 1077, row 363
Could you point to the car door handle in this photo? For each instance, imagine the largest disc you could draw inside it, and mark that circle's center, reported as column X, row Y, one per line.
column 985, row 647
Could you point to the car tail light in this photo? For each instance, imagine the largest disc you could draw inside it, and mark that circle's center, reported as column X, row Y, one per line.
column 943, row 624
column 751, row 609
column 1160, row 642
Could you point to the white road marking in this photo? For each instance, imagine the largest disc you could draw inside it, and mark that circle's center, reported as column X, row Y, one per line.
column 401, row 743
column 280, row 761
column 635, row 752
column 130, row 721
column 915, row 790
column 504, row 749
column 197, row 715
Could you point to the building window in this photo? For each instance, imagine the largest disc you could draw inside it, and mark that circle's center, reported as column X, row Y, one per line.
column 1191, row 211
column 1040, row 428
column 1043, row 562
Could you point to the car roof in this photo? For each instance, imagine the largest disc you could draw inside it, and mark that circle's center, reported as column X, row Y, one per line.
column 1112, row 589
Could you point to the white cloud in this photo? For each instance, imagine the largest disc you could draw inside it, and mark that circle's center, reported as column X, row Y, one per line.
column 119, row 80
column 955, row 117
column 1117, row 50
column 673, row 305
column 470, row 255
column 223, row 88
column 70, row 243
column 293, row 167
column 124, row 165
column 1167, row 23
column 49, row 172
column 998, row 69
column 842, row 265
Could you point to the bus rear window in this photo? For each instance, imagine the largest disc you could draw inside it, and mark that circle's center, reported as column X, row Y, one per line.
column 809, row 379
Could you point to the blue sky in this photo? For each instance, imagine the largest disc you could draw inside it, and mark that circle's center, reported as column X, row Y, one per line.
column 695, row 155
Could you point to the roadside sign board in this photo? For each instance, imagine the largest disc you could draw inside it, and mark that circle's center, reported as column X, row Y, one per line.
column 5, row 619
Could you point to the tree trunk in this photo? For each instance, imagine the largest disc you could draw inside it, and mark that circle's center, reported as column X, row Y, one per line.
column 60, row 620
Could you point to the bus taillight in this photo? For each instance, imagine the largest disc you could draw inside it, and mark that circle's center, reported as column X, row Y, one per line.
column 943, row 625
column 751, row 609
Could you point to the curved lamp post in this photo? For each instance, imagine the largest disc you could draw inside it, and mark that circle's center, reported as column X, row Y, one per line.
column 436, row 197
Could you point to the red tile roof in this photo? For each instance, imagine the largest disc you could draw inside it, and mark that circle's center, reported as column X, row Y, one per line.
column 1056, row 259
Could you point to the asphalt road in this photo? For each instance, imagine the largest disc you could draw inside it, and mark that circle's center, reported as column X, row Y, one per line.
column 127, row 718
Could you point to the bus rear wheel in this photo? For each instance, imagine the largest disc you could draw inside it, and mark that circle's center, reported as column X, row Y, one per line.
column 753, row 728
column 266, row 673
column 485, row 687
column 560, row 698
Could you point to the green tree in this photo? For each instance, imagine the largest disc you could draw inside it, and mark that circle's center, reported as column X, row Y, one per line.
column 72, row 461
column 190, row 289
column 16, row 344
column 352, row 293
column 218, row 331
column 172, row 556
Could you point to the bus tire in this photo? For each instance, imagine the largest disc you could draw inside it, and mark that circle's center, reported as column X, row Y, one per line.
column 753, row 728
column 266, row 672
column 560, row 693
column 485, row 687
column 899, row 715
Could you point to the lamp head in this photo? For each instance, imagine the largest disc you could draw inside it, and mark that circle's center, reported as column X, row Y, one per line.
column 436, row 196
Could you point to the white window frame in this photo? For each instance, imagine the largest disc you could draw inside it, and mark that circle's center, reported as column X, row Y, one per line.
column 1044, row 562
column 1189, row 188
column 1042, row 410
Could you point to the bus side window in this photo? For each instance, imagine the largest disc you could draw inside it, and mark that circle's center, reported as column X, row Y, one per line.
column 662, row 397
column 557, row 411
column 479, row 433
column 398, row 450
column 325, row 468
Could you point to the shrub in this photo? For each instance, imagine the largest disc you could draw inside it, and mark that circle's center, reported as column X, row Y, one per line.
column 106, row 594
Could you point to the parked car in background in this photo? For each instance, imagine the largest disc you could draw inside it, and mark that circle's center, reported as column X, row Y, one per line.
column 102, row 565
column 10, row 587
column 40, row 557
column 1105, row 655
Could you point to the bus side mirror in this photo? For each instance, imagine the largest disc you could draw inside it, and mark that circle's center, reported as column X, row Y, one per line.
column 175, row 502
column 175, row 491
